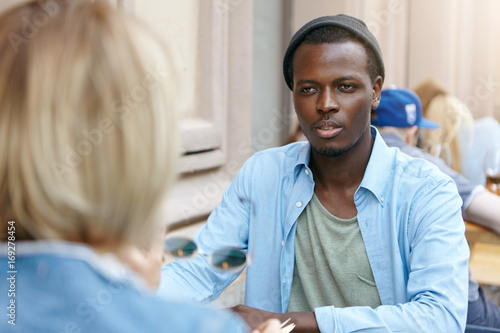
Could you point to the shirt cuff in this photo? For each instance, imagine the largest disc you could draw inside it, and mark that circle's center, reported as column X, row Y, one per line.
column 325, row 317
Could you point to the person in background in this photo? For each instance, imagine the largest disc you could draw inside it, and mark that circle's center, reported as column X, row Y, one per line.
column 461, row 141
column 454, row 120
column 84, row 167
column 398, row 119
column 349, row 234
column 486, row 136
column 462, row 144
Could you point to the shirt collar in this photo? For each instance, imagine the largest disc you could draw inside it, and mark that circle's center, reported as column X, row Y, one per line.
column 304, row 155
column 379, row 171
column 107, row 265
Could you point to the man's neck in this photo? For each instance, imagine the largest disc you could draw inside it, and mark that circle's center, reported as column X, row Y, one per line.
column 345, row 169
column 337, row 178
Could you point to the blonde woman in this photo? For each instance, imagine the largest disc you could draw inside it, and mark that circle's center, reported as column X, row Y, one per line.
column 454, row 119
column 88, row 146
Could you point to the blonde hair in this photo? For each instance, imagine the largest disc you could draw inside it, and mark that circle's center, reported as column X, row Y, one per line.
column 88, row 132
column 453, row 118
column 427, row 90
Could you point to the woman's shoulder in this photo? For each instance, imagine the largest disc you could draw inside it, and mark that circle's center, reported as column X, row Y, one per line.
column 180, row 316
column 86, row 300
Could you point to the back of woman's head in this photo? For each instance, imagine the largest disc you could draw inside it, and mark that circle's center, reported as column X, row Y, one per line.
column 87, row 123
column 426, row 91
column 454, row 119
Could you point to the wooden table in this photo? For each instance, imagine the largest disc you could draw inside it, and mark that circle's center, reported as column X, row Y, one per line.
column 484, row 261
column 475, row 233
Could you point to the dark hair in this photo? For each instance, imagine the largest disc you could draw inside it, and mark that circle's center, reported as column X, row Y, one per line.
column 331, row 35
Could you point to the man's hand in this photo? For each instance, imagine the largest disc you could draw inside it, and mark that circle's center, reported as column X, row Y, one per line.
column 254, row 317
column 304, row 321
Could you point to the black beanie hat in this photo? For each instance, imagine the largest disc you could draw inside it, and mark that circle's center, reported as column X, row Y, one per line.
column 349, row 23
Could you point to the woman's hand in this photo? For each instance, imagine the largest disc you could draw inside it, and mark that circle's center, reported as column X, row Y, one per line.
column 272, row 325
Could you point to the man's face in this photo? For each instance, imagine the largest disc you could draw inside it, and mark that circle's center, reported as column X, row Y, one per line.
column 333, row 95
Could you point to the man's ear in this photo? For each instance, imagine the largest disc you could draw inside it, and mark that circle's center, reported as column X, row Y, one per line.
column 377, row 88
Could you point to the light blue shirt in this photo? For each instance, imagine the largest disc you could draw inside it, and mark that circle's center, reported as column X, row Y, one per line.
column 466, row 188
column 56, row 286
column 410, row 220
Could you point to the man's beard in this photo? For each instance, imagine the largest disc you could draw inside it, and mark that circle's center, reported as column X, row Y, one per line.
column 334, row 152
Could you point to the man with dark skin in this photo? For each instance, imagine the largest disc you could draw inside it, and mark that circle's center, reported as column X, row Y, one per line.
column 333, row 96
column 343, row 224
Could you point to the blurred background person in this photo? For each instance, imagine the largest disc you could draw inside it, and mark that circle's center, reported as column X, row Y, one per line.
column 454, row 120
column 486, row 138
column 85, row 161
column 460, row 141
column 399, row 119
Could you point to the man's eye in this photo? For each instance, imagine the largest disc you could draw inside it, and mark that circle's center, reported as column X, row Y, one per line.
column 346, row 87
column 308, row 90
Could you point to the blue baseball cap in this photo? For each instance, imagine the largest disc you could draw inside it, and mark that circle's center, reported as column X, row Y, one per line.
column 400, row 108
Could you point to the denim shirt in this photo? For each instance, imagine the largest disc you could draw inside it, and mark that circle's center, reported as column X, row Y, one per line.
column 59, row 286
column 466, row 188
column 409, row 217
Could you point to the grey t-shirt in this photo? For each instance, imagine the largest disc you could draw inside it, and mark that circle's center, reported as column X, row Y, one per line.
column 331, row 264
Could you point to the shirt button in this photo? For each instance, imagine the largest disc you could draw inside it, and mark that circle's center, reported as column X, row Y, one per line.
column 307, row 172
column 284, row 281
column 298, row 204
column 282, row 243
column 382, row 199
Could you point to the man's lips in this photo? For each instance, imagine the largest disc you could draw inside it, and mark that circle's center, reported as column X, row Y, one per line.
column 327, row 130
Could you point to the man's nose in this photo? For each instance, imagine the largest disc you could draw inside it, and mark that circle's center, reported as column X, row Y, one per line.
column 327, row 101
